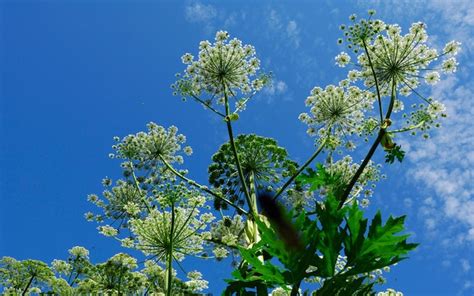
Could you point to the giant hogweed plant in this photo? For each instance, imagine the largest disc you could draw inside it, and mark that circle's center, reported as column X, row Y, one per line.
column 291, row 229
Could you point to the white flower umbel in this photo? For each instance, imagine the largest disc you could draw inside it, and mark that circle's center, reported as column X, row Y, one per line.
column 395, row 57
column 158, row 142
column 336, row 113
column 345, row 169
column 225, row 67
column 154, row 234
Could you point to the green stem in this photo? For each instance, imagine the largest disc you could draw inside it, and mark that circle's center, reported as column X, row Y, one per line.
column 312, row 157
column 253, row 200
column 28, row 285
column 408, row 128
column 371, row 152
column 138, row 188
column 295, row 288
column 201, row 187
column 170, row 255
column 379, row 99
column 236, row 155
column 207, row 105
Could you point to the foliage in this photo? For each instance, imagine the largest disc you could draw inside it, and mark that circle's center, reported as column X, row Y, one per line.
column 367, row 248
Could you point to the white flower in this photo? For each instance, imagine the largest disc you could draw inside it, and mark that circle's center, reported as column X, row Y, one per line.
column 449, row 65
column 396, row 58
column 390, row 292
column 153, row 233
column 107, row 230
column 432, row 78
column 188, row 150
column 336, row 112
column 127, row 242
column 79, row 252
column 452, row 47
column 187, row 58
column 342, row 59
column 220, row 252
column 61, row 266
column 223, row 68
column 132, row 208
column 158, row 142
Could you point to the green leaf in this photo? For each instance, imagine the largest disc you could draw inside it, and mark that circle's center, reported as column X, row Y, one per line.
column 330, row 218
column 394, row 153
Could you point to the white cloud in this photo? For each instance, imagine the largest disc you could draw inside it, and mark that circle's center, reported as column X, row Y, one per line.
column 198, row 12
column 274, row 20
column 277, row 24
column 278, row 88
column 465, row 265
column 293, row 33
column 443, row 164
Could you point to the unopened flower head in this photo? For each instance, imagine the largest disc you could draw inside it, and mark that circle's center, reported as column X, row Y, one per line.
column 262, row 160
column 225, row 67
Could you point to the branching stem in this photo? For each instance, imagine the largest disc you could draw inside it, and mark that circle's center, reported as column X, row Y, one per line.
column 253, row 211
column 201, row 187
column 382, row 132
column 308, row 162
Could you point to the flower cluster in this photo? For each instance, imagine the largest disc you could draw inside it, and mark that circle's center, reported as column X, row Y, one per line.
column 121, row 202
column 159, row 231
column 390, row 292
column 223, row 68
column 228, row 232
column 423, row 117
column 79, row 252
column 196, row 283
column 158, row 143
column 344, row 170
column 336, row 113
column 401, row 60
column 264, row 165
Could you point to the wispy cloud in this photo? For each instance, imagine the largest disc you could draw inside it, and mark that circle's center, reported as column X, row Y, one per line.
column 293, row 33
column 202, row 14
column 445, row 163
column 198, row 12
column 443, row 166
column 278, row 89
column 278, row 23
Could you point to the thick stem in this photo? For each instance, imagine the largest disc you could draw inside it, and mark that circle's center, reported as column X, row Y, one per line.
column 295, row 289
column 371, row 152
column 253, row 200
column 169, row 264
column 28, row 285
column 203, row 188
column 312, row 157
column 236, row 155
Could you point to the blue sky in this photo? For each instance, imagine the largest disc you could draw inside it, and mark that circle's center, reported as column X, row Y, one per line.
column 76, row 73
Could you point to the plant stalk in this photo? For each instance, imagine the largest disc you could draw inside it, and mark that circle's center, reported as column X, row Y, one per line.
column 371, row 152
column 253, row 211
column 28, row 285
column 169, row 265
column 308, row 162
column 197, row 185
